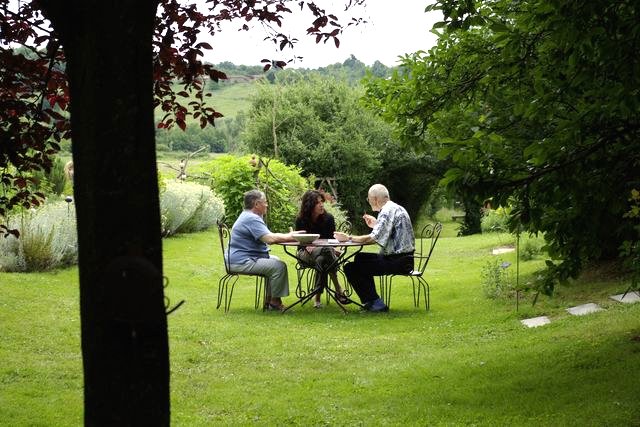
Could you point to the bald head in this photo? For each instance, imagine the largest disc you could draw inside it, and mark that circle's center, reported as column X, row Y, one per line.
column 379, row 191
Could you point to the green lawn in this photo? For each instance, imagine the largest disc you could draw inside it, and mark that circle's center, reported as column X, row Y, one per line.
column 468, row 361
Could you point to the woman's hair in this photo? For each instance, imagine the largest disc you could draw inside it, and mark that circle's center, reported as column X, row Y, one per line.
column 308, row 203
column 251, row 197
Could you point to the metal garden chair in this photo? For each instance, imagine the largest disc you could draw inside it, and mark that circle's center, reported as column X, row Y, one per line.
column 424, row 248
column 227, row 282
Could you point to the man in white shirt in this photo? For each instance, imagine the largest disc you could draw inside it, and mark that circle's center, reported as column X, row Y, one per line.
column 392, row 230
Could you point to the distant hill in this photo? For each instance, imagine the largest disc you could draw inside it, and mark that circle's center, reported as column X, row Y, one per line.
column 232, row 98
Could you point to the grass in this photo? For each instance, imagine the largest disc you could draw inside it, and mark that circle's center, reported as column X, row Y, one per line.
column 229, row 99
column 468, row 361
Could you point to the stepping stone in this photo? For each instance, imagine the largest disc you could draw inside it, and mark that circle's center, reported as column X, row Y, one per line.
column 534, row 322
column 504, row 250
column 583, row 309
column 631, row 296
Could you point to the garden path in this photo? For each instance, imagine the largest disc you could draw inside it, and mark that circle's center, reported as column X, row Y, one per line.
column 582, row 309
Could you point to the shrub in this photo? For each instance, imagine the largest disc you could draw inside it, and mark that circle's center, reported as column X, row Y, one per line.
column 496, row 279
column 233, row 176
column 48, row 236
column 57, row 177
column 47, row 239
column 339, row 214
column 530, row 247
column 495, row 221
column 188, row 207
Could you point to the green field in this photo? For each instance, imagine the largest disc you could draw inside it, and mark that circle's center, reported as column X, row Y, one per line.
column 229, row 99
column 468, row 361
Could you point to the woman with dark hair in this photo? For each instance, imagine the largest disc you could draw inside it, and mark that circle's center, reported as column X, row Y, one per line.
column 313, row 218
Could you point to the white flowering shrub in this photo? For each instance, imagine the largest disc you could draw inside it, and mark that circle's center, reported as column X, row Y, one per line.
column 48, row 236
column 47, row 240
column 187, row 207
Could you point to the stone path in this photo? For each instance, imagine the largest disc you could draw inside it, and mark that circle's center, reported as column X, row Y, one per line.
column 502, row 250
column 581, row 310
column 630, row 297
column 534, row 322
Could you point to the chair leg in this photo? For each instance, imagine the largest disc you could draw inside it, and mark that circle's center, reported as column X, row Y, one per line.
column 221, row 286
column 267, row 292
column 300, row 275
column 228, row 294
column 385, row 289
column 416, row 297
column 223, row 290
column 347, row 290
column 422, row 284
column 258, row 295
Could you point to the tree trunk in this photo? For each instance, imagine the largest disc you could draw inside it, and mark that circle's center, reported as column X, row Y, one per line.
column 124, row 330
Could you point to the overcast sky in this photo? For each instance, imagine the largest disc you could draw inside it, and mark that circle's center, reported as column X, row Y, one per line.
column 393, row 29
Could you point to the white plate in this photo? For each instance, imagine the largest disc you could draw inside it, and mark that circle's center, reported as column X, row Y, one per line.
column 306, row 238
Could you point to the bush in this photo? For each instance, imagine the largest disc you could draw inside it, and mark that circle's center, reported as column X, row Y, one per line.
column 48, row 236
column 233, row 176
column 339, row 215
column 57, row 177
column 496, row 279
column 530, row 247
column 495, row 221
column 188, row 207
column 47, row 239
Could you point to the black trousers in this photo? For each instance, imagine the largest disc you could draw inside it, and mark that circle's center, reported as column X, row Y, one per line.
column 366, row 265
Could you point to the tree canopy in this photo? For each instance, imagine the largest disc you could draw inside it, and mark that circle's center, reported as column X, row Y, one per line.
column 320, row 126
column 536, row 105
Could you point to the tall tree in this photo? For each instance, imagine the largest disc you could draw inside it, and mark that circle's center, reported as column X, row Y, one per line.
column 536, row 104
column 120, row 59
column 320, row 126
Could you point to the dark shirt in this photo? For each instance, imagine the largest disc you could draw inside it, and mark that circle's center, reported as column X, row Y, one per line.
column 324, row 227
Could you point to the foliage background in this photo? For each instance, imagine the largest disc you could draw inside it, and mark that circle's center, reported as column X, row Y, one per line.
column 319, row 125
column 232, row 176
column 535, row 105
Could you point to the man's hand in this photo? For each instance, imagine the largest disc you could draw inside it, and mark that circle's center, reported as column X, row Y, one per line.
column 370, row 220
column 340, row 236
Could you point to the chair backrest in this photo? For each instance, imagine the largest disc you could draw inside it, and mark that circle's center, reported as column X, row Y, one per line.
column 344, row 227
column 225, row 241
column 428, row 238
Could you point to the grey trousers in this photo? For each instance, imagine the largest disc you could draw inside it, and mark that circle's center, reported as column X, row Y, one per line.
column 273, row 268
